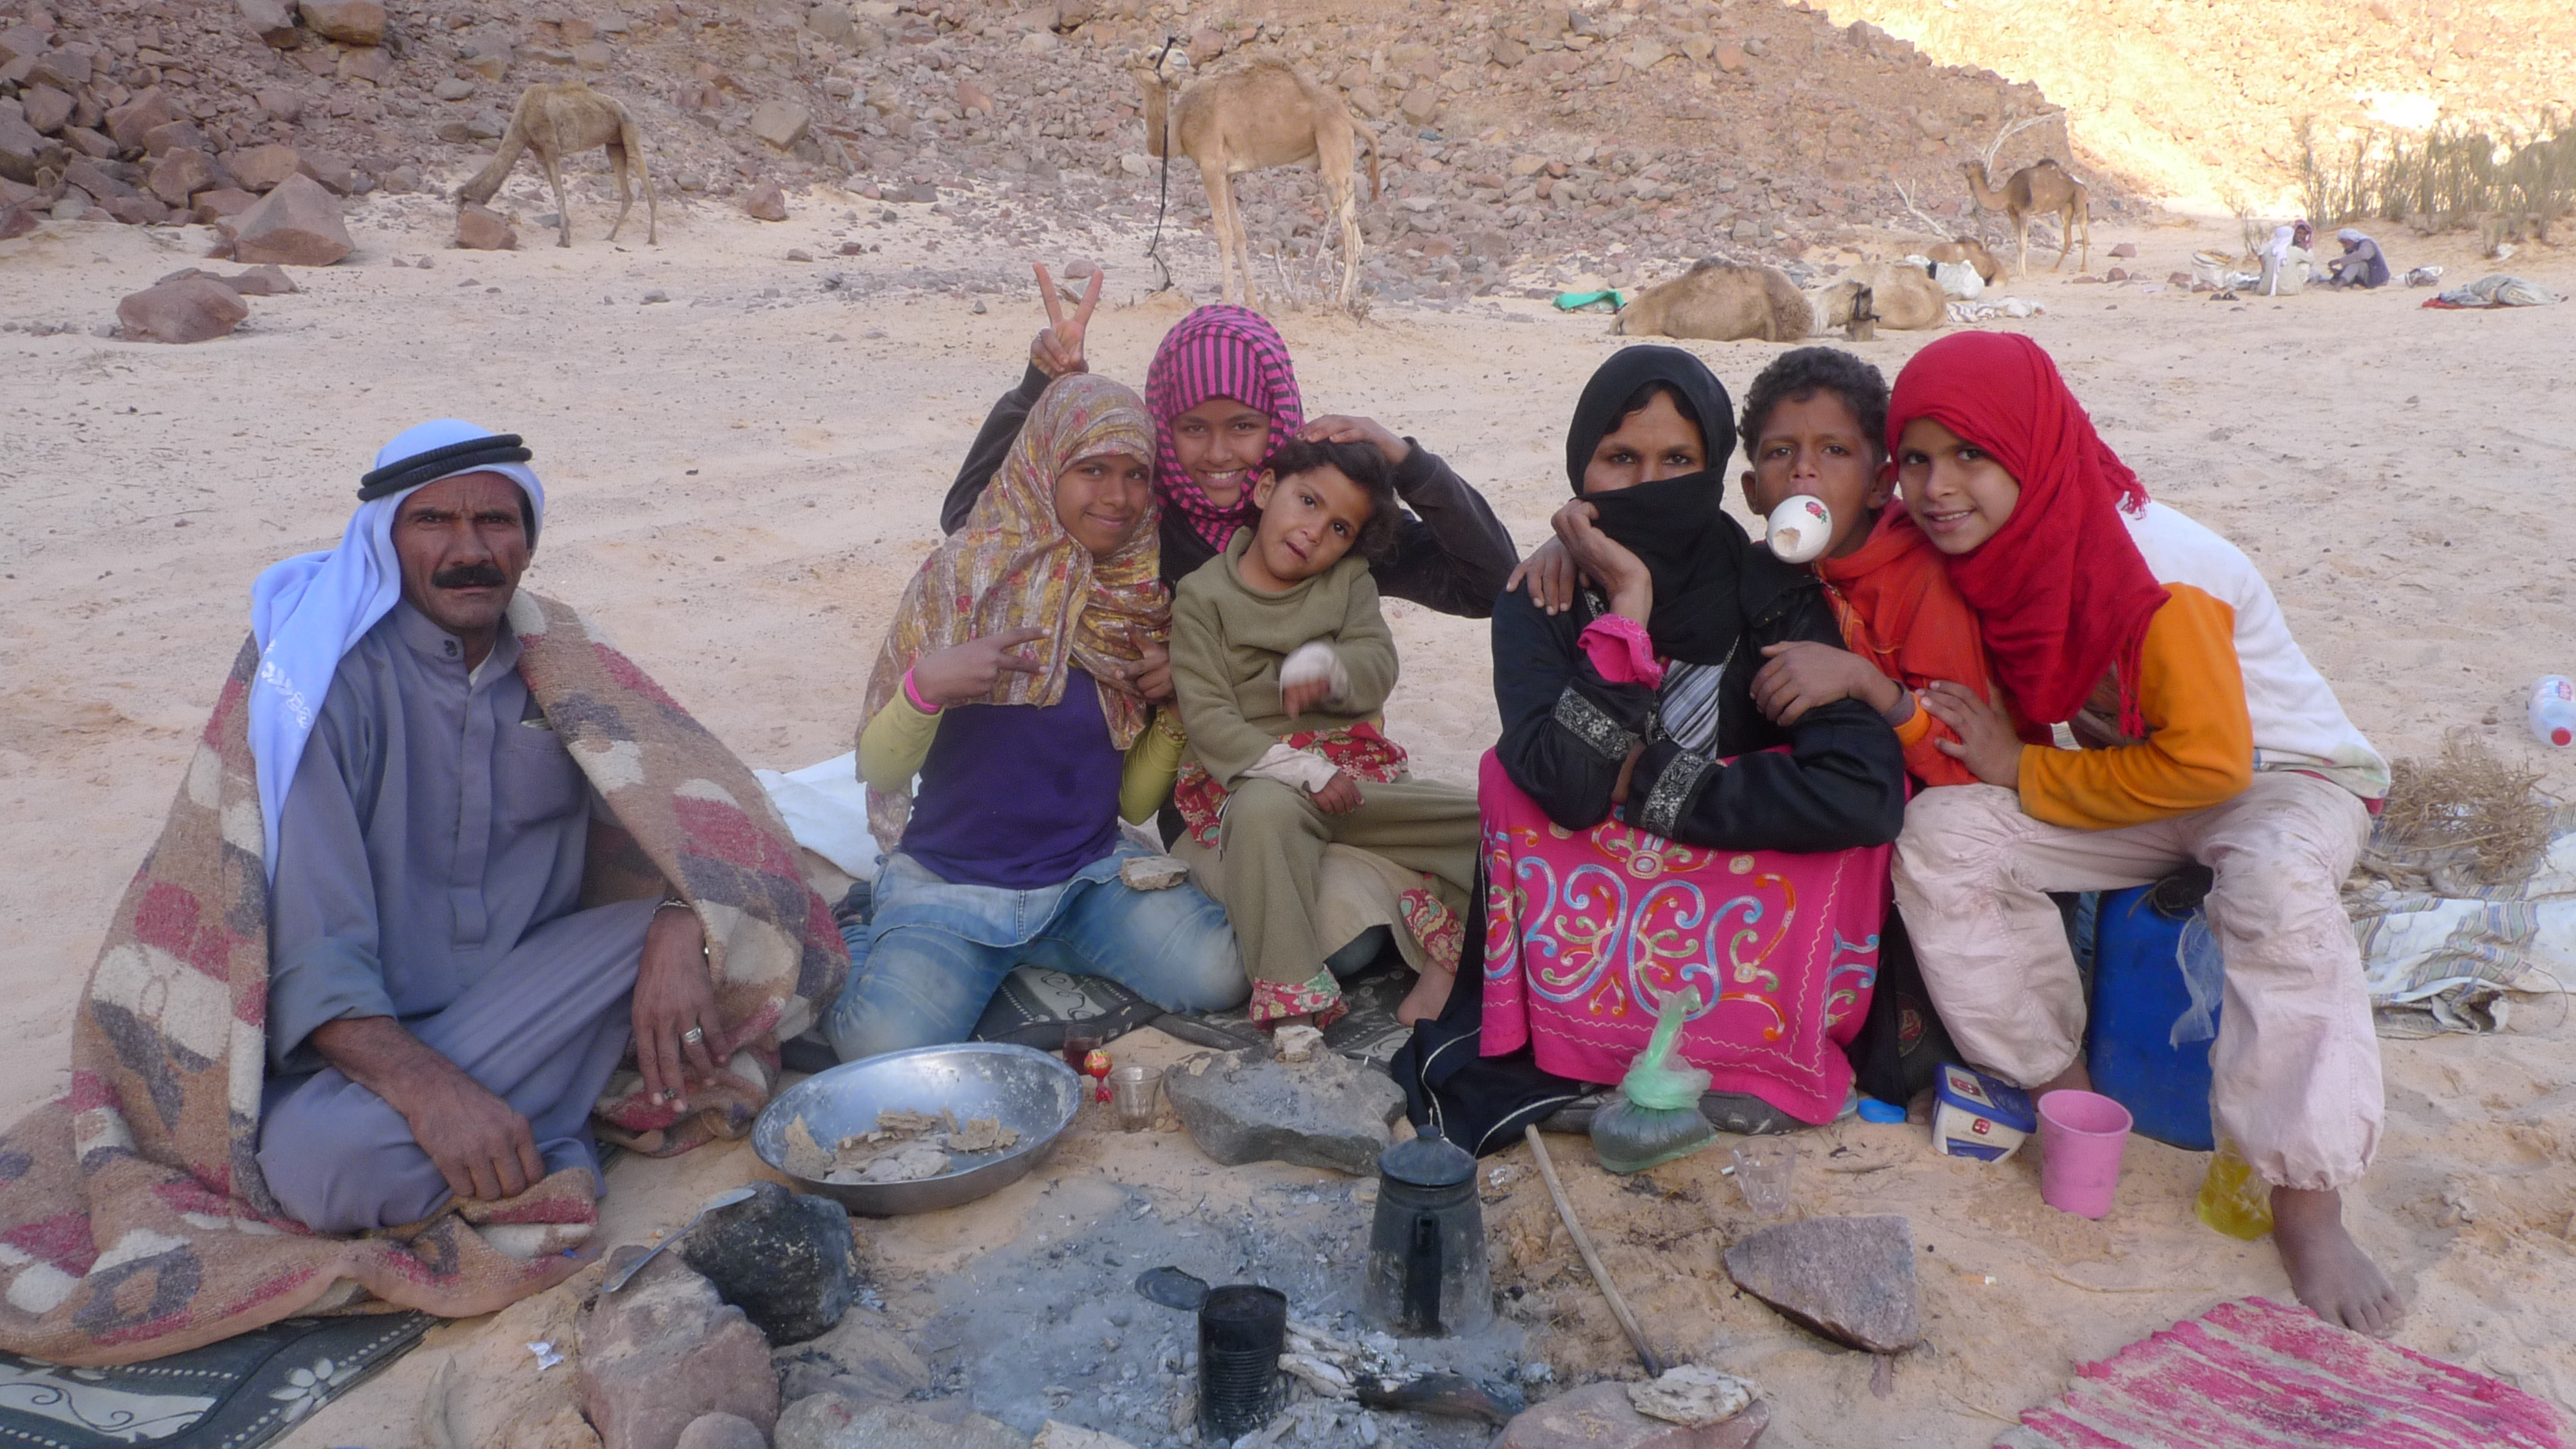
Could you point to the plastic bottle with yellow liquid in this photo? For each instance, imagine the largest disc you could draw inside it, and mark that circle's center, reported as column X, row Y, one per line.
column 2233, row 1199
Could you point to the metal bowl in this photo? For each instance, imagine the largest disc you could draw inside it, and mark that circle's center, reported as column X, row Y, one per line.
column 1031, row 1091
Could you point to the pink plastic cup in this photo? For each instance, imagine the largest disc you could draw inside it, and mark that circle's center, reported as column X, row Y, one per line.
column 2082, row 1136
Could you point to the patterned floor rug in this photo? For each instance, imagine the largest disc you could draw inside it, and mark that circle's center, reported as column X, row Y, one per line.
column 2255, row 1375
column 237, row 1394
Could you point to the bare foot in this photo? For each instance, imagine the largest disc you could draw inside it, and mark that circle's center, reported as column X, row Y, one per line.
column 1430, row 993
column 2328, row 1270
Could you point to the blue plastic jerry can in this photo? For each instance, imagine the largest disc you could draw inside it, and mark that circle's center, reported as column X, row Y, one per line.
column 2145, row 1042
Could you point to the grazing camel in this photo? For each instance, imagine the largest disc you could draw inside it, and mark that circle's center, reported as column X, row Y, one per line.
column 1245, row 120
column 1890, row 294
column 1721, row 303
column 2039, row 189
column 558, row 120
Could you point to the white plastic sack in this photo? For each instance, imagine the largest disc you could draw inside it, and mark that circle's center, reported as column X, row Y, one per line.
column 826, row 809
column 1959, row 280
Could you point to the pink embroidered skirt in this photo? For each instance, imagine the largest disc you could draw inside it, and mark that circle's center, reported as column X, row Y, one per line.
column 1587, row 931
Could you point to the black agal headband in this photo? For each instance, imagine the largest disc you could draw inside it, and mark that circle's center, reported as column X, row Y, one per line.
column 438, row 463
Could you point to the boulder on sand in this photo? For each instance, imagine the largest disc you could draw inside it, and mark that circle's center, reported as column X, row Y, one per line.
column 190, row 309
column 766, row 202
column 298, row 224
column 1248, row 1106
column 784, row 1258
column 663, row 1351
column 481, row 229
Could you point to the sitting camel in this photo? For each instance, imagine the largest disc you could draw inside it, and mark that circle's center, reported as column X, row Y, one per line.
column 2039, row 189
column 1262, row 115
column 1889, row 294
column 559, row 119
column 1970, row 250
column 1722, row 303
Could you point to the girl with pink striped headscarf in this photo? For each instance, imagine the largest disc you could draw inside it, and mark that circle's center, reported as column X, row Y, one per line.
column 1223, row 394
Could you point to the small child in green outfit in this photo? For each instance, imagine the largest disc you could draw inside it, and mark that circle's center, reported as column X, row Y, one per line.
column 1282, row 662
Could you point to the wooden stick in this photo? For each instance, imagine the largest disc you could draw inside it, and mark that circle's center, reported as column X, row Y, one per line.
column 1591, row 1259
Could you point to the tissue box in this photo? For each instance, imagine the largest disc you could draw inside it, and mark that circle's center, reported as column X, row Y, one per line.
column 1975, row 1115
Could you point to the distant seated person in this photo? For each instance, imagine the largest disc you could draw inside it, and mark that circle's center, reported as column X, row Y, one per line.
column 2287, row 260
column 1282, row 661
column 442, row 856
column 2361, row 264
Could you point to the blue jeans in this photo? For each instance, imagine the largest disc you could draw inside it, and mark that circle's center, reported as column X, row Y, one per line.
column 931, row 954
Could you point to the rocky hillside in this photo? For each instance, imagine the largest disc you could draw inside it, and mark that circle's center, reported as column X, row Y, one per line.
column 2201, row 99
column 1615, row 138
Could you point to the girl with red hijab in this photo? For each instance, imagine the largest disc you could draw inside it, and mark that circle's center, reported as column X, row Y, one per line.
column 2205, row 736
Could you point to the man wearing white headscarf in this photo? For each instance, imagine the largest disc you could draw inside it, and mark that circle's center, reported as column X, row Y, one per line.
column 442, row 1014
column 2362, row 263
column 2285, row 264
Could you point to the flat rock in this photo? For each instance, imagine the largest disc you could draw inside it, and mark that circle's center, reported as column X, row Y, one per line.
column 2125, row 249
column 298, row 224
column 859, row 1358
column 665, row 1350
column 17, row 221
column 1054, row 1435
column 367, row 63
column 722, row 1431
column 784, row 1258
column 1599, row 1416
column 191, row 309
column 351, row 22
column 781, row 124
column 454, row 88
column 765, row 202
column 1850, row 1279
column 1246, row 1106
column 481, row 229
column 830, row 1421
column 1691, row 1394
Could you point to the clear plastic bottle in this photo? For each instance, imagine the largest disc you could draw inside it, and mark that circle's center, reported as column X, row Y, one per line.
column 2553, row 711
column 2232, row 1198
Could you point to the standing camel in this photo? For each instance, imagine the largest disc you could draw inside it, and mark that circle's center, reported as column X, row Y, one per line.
column 1262, row 115
column 562, row 119
column 2039, row 189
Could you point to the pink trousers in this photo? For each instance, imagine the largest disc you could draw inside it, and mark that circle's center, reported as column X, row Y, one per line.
column 2295, row 1070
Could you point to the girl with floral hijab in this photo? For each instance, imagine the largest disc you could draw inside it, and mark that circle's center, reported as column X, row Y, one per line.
column 987, row 689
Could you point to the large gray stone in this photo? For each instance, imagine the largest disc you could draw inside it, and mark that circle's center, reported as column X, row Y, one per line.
column 785, row 1258
column 270, row 20
column 1246, row 1106
column 1850, row 1279
column 663, row 1351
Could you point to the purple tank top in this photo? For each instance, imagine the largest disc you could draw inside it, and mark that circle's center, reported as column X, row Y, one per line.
column 1018, row 796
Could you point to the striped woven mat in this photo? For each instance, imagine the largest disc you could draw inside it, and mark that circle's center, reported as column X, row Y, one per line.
column 2255, row 1375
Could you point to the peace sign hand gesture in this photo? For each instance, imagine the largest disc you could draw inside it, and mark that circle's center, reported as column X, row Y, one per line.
column 1057, row 350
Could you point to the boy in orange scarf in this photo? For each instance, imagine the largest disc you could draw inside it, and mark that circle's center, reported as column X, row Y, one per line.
column 1815, row 422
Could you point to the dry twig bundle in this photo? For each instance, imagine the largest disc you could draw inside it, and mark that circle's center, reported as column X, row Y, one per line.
column 2466, row 808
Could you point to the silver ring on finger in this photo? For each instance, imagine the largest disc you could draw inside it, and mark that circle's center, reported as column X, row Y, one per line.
column 693, row 1036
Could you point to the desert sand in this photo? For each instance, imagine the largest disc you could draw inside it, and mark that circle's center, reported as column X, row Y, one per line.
column 742, row 476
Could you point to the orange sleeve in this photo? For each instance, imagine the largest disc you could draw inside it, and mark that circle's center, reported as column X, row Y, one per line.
column 1921, row 736
column 2199, row 749
column 1939, row 640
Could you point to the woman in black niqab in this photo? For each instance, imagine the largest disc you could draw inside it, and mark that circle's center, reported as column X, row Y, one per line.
column 1687, row 758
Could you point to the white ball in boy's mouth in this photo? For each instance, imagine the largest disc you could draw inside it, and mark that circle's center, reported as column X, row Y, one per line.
column 1800, row 528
